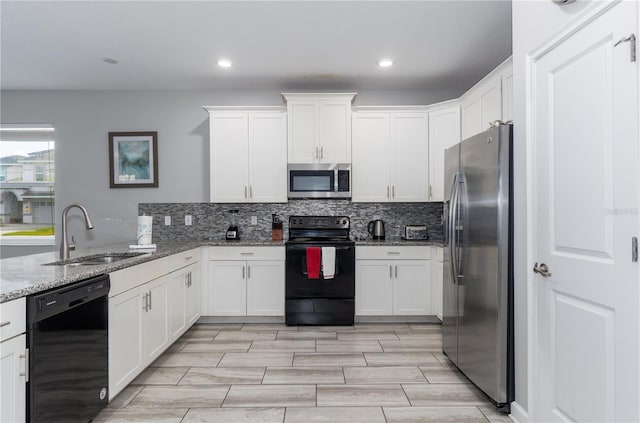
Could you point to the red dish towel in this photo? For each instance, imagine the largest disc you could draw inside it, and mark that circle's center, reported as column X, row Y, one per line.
column 313, row 262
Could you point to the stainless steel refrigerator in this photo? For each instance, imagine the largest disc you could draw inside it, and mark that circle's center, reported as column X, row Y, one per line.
column 477, row 327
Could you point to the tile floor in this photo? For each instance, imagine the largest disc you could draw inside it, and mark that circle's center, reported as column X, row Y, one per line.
column 387, row 373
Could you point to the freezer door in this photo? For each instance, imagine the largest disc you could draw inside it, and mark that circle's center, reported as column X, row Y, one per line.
column 450, row 286
column 482, row 280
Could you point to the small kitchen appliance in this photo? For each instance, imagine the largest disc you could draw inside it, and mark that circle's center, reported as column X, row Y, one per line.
column 376, row 228
column 232, row 234
column 415, row 232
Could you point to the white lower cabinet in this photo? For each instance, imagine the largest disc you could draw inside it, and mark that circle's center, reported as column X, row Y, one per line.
column 246, row 281
column 155, row 334
column 150, row 306
column 228, row 289
column 265, row 288
column 437, row 274
column 13, row 361
column 12, row 376
column 393, row 287
column 184, row 300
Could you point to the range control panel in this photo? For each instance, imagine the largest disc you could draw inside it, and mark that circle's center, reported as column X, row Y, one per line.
column 319, row 222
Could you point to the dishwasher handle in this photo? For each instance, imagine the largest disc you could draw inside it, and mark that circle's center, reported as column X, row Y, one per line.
column 49, row 303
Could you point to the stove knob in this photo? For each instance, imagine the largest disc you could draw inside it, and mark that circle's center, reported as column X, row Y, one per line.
column 344, row 222
column 337, row 222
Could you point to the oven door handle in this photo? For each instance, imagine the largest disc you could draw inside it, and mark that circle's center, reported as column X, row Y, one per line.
column 303, row 247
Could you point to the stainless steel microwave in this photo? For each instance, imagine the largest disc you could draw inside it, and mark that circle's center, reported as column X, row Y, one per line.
column 319, row 180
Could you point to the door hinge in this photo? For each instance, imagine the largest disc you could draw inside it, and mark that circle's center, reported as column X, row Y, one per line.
column 632, row 45
column 634, row 249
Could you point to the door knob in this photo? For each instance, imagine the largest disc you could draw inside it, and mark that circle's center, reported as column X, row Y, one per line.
column 542, row 269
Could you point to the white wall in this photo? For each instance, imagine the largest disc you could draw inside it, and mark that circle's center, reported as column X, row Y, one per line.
column 83, row 120
column 534, row 22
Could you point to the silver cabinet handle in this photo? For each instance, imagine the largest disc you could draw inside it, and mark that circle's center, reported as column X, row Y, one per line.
column 248, row 272
column 393, row 253
column 322, row 152
column 8, row 322
column 396, row 272
column 145, row 307
column 26, row 365
column 393, row 191
column 390, row 272
column 316, row 152
column 246, row 254
column 242, row 272
column 387, row 191
column 150, row 298
column 188, row 258
column 542, row 269
column 250, row 191
column 430, row 192
column 245, row 191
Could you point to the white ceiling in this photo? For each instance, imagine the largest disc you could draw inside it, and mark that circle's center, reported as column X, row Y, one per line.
column 281, row 45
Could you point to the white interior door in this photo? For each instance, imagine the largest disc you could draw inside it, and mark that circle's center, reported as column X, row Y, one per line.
column 585, row 198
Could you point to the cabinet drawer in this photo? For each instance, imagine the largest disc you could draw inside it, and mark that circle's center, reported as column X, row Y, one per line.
column 185, row 258
column 126, row 279
column 366, row 252
column 13, row 316
column 246, row 253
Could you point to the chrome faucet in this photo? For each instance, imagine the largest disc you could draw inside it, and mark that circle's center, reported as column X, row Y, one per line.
column 65, row 245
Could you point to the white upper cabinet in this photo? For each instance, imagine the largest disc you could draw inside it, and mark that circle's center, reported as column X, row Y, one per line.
column 489, row 100
column 319, row 129
column 390, row 156
column 248, row 150
column 444, row 132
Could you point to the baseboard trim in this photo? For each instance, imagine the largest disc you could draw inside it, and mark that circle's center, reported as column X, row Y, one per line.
column 518, row 414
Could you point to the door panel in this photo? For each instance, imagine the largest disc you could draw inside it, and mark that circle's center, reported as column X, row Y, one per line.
column 409, row 157
column 412, row 287
column 228, row 290
column 585, row 144
column 370, row 176
column 267, row 157
column 228, row 157
column 334, row 126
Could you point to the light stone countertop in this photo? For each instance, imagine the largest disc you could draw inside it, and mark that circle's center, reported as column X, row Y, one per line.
column 26, row 275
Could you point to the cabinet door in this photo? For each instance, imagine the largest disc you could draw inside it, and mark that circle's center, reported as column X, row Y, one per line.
column 409, row 157
column 302, row 132
column 125, row 339
column 411, row 287
column 471, row 117
column 12, row 379
column 228, row 162
column 370, row 176
column 267, row 157
column 334, row 131
column 436, row 281
column 192, row 301
column 374, row 288
column 265, row 288
column 177, row 289
column 444, row 132
column 154, row 320
column 228, row 289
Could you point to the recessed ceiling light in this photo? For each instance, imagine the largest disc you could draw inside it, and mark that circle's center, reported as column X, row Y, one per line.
column 385, row 63
column 224, row 63
column 110, row 60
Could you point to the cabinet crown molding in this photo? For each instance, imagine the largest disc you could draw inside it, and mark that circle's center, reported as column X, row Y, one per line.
column 211, row 109
column 318, row 96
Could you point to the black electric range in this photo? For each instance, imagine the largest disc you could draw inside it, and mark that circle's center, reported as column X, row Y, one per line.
column 324, row 299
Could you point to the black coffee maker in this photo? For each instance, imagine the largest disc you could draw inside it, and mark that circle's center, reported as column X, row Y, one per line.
column 233, row 234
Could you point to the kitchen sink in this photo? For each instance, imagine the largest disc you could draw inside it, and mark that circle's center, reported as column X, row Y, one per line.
column 94, row 260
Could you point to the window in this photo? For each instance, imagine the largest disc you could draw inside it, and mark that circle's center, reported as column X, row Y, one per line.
column 27, row 184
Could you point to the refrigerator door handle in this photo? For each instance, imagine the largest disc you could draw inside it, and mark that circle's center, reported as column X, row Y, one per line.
column 452, row 229
column 460, row 227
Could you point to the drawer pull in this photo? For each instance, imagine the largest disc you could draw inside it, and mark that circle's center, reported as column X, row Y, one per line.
column 246, row 254
column 188, row 258
column 393, row 253
column 8, row 322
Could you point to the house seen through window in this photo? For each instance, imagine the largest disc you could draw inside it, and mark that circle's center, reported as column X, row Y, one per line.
column 27, row 182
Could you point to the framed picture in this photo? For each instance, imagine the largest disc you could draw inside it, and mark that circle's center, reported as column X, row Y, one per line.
column 133, row 159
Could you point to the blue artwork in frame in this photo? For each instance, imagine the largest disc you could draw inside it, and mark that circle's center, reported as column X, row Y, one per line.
column 133, row 159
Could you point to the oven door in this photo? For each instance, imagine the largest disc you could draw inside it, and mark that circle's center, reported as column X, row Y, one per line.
column 298, row 284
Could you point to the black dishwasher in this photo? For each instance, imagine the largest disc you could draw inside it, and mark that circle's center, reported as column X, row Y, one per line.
column 67, row 338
